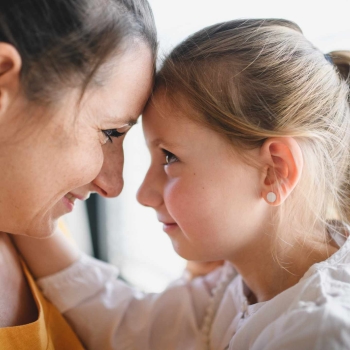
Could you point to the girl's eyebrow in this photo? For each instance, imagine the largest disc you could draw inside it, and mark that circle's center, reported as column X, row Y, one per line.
column 159, row 141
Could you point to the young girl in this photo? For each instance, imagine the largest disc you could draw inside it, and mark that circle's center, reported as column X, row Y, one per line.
column 249, row 133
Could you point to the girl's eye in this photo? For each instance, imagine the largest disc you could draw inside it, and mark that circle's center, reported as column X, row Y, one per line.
column 110, row 133
column 169, row 157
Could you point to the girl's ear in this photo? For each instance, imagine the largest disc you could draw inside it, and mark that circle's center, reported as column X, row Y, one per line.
column 283, row 165
column 10, row 67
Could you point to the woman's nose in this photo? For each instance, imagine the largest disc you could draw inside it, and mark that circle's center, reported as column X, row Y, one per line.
column 150, row 191
column 109, row 182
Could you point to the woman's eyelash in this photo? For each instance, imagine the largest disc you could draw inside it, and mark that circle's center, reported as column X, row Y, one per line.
column 169, row 157
column 110, row 133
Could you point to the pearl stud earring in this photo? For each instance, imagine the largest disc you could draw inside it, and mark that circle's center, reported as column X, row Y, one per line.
column 271, row 197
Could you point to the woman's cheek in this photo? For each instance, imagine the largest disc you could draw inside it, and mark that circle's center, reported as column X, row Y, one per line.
column 84, row 165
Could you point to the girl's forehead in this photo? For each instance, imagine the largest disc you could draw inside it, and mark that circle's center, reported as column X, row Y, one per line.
column 163, row 115
column 174, row 130
column 162, row 119
column 170, row 105
column 171, row 100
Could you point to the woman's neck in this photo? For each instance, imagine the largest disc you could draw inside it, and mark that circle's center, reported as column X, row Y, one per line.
column 267, row 273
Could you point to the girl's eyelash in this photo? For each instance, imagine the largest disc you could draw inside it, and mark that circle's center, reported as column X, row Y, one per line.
column 169, row 157
column 112, row 133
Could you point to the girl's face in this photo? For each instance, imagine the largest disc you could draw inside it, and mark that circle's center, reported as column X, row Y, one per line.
column 207, row 198
column 46, row 154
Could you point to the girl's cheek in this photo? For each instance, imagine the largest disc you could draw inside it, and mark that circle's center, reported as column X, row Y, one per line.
column 173, row 170
column 175, row 197
column 171, row 194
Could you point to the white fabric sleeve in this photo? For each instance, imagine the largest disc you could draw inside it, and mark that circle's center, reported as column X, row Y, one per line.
column 323, row 327
column 107, row 314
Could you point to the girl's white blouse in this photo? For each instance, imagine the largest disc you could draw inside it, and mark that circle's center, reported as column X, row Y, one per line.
column 108, row 314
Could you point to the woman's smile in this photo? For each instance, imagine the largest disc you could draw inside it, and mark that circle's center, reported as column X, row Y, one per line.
column 69, row 199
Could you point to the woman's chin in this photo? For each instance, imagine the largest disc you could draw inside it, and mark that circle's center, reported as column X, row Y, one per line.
column 44, row 224
column 42, row 228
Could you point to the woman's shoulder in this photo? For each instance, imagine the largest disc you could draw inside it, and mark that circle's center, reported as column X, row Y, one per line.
column 25, row 312
column 17, row 305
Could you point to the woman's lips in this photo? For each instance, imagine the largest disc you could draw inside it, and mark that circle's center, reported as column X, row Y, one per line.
column 68, row 201
column 80, row 197
column 70, row 198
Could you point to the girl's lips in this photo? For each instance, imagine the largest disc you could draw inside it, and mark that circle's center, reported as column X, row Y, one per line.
column 168, row 227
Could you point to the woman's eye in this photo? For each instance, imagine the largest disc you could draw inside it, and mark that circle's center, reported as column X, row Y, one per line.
column 169, row 157
column 111, row 133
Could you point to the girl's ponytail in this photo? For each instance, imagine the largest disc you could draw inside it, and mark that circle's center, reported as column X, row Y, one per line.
column 341, row 59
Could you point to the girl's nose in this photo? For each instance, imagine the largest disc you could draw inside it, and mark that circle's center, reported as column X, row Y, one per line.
column 109, row 182
column 150, row 191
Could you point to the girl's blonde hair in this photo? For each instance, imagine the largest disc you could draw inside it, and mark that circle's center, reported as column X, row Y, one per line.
column 254, row 79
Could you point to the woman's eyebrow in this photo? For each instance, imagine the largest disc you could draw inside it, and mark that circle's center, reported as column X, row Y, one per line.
column 131, row 121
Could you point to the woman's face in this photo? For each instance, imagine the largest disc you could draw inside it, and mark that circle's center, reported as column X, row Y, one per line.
column 45, row 154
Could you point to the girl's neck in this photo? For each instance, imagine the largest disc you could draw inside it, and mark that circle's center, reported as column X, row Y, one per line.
column 267, row 275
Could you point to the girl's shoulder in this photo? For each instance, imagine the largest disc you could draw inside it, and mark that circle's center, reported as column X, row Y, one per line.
column 322, row 296
column 328, row 282
column 313, row 314
column 317, row 318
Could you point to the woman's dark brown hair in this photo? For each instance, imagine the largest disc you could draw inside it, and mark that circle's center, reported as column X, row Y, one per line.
column 62, row 43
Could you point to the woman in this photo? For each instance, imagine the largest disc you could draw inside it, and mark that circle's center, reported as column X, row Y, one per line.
column 74, row 77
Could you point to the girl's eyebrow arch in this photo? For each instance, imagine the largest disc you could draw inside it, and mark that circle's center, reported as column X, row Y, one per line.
column 159, row 141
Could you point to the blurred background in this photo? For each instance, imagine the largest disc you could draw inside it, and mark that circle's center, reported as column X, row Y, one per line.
column 120, row 230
